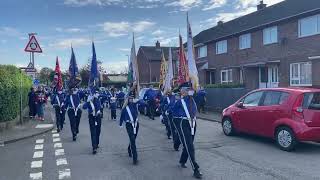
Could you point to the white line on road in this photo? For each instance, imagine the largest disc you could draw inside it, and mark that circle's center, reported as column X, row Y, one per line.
column 59, row 152
column 36, row 164
column 56, row 139
column 39, row 141
column 43, row 126
column 54, row 131
column 38, row 154
column 36, row 176
column 62, row 161
column 64, row 174
column 57, row 145
column 55, row 135
column 38, row 147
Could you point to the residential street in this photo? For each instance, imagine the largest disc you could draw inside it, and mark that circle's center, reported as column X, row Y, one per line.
column 220, row 157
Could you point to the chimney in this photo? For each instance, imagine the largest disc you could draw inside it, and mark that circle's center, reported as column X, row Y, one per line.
column 158, row 45
column 220, row 23
column 261, row 6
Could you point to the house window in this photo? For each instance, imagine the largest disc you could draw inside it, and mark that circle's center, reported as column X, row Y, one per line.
column 245, row 41
column 270, row 35
column 202, row 51
column 301, row 74
column 221, row 47
column 210, row 77
column 226, row 76
column 309, row 26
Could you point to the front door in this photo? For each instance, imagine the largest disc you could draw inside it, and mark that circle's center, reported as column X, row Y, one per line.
column 269, row 77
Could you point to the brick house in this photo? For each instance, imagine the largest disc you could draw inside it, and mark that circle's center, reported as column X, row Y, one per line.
column 149, row 59
column 276, row 46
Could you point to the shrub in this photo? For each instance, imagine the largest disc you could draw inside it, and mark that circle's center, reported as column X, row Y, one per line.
column 10, row 79
column 229, row 85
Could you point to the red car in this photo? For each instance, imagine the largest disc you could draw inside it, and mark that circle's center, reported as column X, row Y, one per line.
column 288, row 115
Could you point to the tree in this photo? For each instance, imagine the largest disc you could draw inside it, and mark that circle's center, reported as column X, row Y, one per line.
column 45, row 75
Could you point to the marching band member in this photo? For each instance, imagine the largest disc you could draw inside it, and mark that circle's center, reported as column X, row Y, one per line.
column 184, row 112
column 58, row 103
column 73, row 104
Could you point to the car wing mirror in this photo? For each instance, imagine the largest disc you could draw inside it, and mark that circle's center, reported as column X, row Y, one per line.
column 240, row 105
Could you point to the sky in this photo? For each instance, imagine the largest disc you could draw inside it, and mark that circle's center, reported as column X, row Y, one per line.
column 109, row 23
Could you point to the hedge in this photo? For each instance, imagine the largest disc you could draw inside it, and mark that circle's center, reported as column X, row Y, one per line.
column 10, row 79
column 225, row 85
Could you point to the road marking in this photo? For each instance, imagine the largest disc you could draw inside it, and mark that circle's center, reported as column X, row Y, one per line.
column 38, row 154
column 57, row 145
column 39, row 141
column 56, row 139
column 59, row 152
column 38, row 147
column 54, row 131
column 43, row 126
column 64, row 174
column 36, row 164
column 62, row 161
column 55, row 135
column 36, row 176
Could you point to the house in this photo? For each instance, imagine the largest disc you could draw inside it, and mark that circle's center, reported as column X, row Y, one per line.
column 276, row 46
column 115, row 80
column 149, row 60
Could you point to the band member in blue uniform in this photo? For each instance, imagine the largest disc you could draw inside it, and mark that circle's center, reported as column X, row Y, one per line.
column 129, row 116
column 185, row 111
column 93, row 105
column 149, row 97
column 57, row 101
column 165, row 105
column 200, row 98
column 74, row 111
column 120, row 98
column 113, row 108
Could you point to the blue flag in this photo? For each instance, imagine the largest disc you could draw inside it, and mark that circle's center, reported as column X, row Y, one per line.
column 74, row 75
column 94, row 72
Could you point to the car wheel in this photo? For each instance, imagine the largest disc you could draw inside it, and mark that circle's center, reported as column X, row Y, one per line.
column 227, row 127
column 285, row 139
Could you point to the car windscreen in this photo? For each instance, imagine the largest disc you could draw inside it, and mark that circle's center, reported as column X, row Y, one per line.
column 312, row 101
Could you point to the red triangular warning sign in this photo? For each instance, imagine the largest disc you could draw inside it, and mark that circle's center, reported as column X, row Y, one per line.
column 33, row 45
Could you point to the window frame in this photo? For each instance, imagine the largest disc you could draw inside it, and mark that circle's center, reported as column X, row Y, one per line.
column 222, row 45
column 199, row 50
column 278, row 103
column 260, row 100
column 229, row 79
column 306, row 18
column 299, row 74
column 247, row 40
column 269, row 31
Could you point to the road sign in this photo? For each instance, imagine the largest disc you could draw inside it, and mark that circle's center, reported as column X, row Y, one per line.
column 33, row 45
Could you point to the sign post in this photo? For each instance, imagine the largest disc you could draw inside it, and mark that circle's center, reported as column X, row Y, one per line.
column 33, row 47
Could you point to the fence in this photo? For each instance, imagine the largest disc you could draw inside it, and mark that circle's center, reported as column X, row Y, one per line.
column 220, row 98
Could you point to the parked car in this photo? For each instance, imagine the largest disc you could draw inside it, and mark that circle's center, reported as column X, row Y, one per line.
column 143, row 106
column 288, row 115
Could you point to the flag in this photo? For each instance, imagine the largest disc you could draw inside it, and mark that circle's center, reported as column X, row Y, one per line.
column 94, row 72
column 74, row 75
column 192, row 67
column 58, row 76
column 183, row 75
column 163, row 70
column 169, row 74
column 134, row 66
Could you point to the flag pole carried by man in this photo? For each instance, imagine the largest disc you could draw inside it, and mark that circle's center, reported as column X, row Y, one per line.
column 73, row 102
column 93, row 104
column 58, row 97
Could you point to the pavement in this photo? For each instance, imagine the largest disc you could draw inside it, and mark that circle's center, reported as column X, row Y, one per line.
column 210, row 116
column 29, row 129
column 52, row 156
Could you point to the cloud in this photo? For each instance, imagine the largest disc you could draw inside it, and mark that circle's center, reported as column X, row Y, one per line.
column 213, row 4
column 116, row 66
column 91, row 2
column 66, row 43
column 10, row 31
column 184, row 5
column 157, row 32
column 68, row 30
column 117, row 29
column 125, row 49
column 243, row 4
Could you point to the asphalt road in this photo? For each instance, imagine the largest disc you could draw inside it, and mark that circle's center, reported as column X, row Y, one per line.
column 220, row 157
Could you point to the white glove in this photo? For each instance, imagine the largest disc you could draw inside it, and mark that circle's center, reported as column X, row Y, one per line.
column 166, row 113
column 90, row 98
column 99, row 112
column 161, row 117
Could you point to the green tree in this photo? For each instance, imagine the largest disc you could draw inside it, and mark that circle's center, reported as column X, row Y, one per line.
column 45, row 75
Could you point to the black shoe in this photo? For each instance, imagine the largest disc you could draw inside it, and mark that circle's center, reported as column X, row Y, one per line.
column 169, row 137
column 183, row 165
column 94, row 151
column 74, row 138
column 197, row 174
column 58, row 130
column 176, row 148
column 135, row 162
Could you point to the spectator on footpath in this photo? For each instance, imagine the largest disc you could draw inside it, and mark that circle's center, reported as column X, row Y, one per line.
column 41, row 99
column 200, row 98
column 32, row 103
